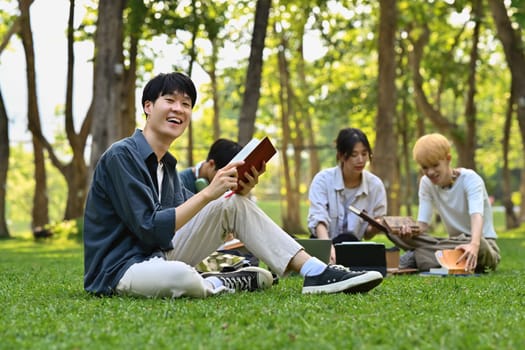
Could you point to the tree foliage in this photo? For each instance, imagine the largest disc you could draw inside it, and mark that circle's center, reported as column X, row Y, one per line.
column 320, row 74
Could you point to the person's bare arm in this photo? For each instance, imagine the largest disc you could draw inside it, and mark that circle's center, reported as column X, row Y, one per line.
column 471, row 250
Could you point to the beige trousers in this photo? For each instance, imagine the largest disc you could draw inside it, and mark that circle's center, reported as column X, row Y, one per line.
column 203, row 234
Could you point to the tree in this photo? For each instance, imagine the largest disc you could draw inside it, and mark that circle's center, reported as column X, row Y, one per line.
column 4, row 140
column 134, row 27
column 4, row 165
column 253, row 74
column 385, row 156
column 513, row 47
column 75, row 171
column 463, row 136
column 40, row 211
column 291, row 214
column 214, row 21
column 108, row 78
column 511, row 220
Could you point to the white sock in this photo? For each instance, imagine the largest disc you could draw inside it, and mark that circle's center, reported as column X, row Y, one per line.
column 312, row 267
column 215, row 282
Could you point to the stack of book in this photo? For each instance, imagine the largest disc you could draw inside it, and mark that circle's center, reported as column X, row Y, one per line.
column 450, row 263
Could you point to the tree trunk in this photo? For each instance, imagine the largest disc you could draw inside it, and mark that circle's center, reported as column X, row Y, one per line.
column 108, row 77
column 385, row 156
column 303, row 106
column 215, row 91
column 193, row 55
column 74, row 173
column 511, row 219
column 129, row 111
column 405, row 158
column 513, row 47
column 40, row 214
column 470, row 104
column 291, row 216
column 4, row 166
column 286, row 136
column 253, row 75
column 135, row 22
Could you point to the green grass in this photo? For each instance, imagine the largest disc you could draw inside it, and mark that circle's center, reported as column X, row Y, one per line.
column 45, row 307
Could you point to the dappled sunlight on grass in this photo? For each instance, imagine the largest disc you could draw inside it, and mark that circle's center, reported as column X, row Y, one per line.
column 48, row 243
column 48, row 248
column 514, row 233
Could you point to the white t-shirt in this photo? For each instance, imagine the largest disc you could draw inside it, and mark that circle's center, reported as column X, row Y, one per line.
column 456, row 204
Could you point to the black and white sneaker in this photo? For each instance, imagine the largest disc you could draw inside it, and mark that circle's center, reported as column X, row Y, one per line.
column 337, row 278
column 250, row 278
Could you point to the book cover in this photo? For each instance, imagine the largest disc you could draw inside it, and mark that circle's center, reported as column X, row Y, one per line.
column 394, row 224
column 448, row 259
column 254, row 154
column 390, row 224
column 368, row 218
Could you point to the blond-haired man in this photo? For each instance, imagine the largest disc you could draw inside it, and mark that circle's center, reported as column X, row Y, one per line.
column 460, row 198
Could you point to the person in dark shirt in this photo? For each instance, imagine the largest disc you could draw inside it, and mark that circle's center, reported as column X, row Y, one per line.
column 144, row 232
column 199, row 176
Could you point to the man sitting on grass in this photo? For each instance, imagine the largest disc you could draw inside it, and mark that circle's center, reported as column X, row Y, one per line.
column 144, row 232
column 460, row 198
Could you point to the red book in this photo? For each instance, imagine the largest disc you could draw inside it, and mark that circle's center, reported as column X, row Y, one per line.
column 254, row 154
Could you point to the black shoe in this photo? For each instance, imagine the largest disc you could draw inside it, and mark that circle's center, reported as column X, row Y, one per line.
column 336, row 278
column 248, row 278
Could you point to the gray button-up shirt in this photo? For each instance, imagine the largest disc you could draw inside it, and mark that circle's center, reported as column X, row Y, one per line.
column 329, row 205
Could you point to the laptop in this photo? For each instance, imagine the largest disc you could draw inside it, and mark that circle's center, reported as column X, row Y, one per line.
column 320, row 248
column 368, row 256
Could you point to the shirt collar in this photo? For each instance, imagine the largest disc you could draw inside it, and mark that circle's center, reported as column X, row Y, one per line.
column 146, row 151
column 339, row 184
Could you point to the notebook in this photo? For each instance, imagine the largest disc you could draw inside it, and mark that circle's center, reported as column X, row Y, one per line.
column 320, row 248
column 368, row 256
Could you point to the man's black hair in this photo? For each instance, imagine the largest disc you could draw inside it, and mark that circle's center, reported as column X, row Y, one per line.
column 222, row 151
column 167, row 83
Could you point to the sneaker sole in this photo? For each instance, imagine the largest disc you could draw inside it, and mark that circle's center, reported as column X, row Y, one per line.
column 365, row 287
column 360, row 284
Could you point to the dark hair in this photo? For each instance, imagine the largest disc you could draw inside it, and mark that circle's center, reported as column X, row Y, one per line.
column 222, row 151
column 167, row 83
column 347, row 139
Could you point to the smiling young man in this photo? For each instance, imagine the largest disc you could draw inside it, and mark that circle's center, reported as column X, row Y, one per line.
column 460, row 198
column 144, row 232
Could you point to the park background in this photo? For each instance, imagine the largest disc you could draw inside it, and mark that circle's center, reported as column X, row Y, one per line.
column 71, row 73
column 295, row 71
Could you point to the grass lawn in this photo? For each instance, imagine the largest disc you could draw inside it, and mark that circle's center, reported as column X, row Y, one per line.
column 45, row 307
